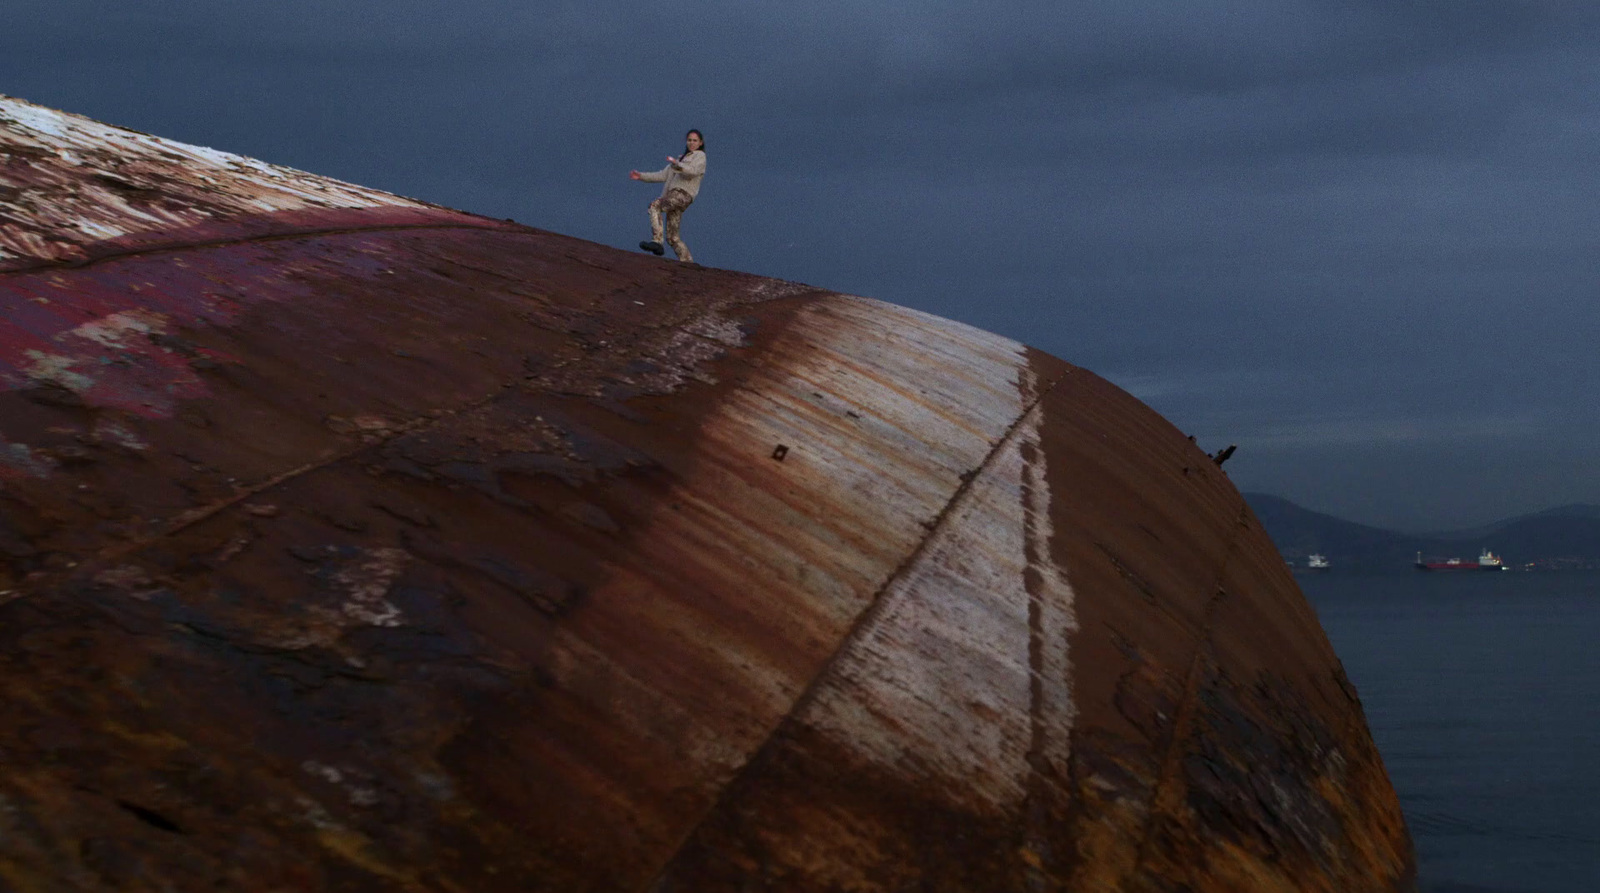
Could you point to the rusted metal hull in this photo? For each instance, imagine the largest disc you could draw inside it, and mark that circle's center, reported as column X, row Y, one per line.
column 371, row 545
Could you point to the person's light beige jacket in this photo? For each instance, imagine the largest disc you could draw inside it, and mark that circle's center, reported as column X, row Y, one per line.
column 684, row 175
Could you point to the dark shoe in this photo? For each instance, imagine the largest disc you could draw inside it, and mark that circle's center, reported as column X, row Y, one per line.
column 653, row 247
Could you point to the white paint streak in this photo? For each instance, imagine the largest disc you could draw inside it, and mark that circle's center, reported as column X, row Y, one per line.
column 114, row 432
column 364, row 582
column 883, row 411
column 56, row 369
column 367, row 583
column 938, row 685
column 109, row 331
column 20, row 457
column 80, row 182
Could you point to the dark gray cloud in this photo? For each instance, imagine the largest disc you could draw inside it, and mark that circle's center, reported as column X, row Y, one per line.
column 1353, row 237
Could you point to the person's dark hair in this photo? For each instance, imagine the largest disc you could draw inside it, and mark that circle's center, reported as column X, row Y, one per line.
column 698, row 134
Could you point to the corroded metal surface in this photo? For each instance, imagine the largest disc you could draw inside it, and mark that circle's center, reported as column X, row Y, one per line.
column 348, row 542
column 73, row 189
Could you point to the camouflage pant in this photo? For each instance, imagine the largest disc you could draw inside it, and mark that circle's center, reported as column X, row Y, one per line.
column 673, row 202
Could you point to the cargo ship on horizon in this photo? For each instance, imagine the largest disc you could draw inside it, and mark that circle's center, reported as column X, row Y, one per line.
column 1488, row 561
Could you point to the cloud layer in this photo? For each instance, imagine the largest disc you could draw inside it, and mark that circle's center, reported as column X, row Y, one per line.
column 1301, row 227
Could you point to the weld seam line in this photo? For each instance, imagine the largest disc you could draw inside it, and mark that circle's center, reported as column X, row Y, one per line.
column 1191, row 684
column 195, row 516
column 240, row 240
column 863, row 622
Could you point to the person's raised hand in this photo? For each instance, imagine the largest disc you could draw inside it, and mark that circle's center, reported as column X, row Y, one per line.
column 633, row 175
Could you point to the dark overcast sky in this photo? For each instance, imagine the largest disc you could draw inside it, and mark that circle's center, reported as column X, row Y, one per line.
column 1355, row 238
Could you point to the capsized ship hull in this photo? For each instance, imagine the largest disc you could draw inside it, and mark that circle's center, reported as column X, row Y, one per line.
column 349, row 542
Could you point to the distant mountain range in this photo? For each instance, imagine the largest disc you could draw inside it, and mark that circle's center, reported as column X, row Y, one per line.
column 1563, row 537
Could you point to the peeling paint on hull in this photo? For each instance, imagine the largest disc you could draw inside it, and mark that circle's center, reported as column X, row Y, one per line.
column 355, row 543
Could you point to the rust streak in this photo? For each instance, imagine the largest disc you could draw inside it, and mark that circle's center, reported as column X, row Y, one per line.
column 1034, row 811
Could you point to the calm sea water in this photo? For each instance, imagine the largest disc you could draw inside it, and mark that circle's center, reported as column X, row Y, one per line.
column 1483, row 693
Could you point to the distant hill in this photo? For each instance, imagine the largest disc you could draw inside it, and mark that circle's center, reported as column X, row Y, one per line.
column 1299, row 531
column 1555, row 540
column 1566, row 536
column 1574, row 510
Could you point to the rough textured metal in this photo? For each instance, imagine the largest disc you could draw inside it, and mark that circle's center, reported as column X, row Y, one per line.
column 348, row 542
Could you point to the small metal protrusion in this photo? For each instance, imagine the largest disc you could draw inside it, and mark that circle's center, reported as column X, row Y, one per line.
column 1223, row 456
column 779, row 451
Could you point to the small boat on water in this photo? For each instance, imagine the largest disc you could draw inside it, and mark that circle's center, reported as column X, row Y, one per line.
column 1488, row 561
column 1315, row 563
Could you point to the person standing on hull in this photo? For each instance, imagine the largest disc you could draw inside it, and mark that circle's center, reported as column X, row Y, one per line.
column 682, row 177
